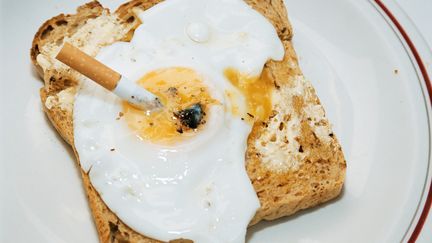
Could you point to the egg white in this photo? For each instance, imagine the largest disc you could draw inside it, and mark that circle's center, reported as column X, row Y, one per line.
column 198, row 188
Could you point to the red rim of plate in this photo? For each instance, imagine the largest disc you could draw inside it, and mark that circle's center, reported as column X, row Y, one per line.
column 428, row 203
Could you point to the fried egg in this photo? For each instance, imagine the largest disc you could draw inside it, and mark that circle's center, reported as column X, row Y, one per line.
column 161, row 178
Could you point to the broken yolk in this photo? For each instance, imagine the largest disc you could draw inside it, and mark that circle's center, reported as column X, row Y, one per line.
column 178, row 88
column 257, row 91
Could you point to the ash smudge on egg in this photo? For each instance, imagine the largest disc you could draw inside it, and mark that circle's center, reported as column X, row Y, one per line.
column 190, row 117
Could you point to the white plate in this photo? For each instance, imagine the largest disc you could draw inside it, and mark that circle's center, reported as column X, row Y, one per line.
column 349, row 49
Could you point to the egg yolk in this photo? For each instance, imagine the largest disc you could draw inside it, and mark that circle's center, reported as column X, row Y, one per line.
column 178, row 88
column 257, row 91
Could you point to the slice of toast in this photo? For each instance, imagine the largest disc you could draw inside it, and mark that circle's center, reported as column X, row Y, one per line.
column 293, row 159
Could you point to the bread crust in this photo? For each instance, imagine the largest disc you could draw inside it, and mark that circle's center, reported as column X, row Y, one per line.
column 317, row 179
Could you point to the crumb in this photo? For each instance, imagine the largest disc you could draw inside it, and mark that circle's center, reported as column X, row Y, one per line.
column 396, row 71
column 113, row 149
column 120, row 114
column 173, row 91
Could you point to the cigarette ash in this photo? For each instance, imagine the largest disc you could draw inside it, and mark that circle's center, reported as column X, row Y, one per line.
column 190, row 118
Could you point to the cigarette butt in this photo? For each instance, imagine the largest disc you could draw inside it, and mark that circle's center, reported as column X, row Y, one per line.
column 108, row 78
column 88, row 66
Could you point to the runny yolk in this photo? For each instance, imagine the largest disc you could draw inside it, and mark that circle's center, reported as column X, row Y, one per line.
column 257, row 91
column 178, row 88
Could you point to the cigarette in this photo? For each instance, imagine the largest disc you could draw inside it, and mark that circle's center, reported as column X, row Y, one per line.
column 108, row 78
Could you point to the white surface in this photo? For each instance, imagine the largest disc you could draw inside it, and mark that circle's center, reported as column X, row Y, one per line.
column 418, row 11
column 378, row 115
column 415, row 17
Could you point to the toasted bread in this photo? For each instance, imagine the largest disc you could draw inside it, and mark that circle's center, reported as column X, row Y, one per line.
column 293, row 159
